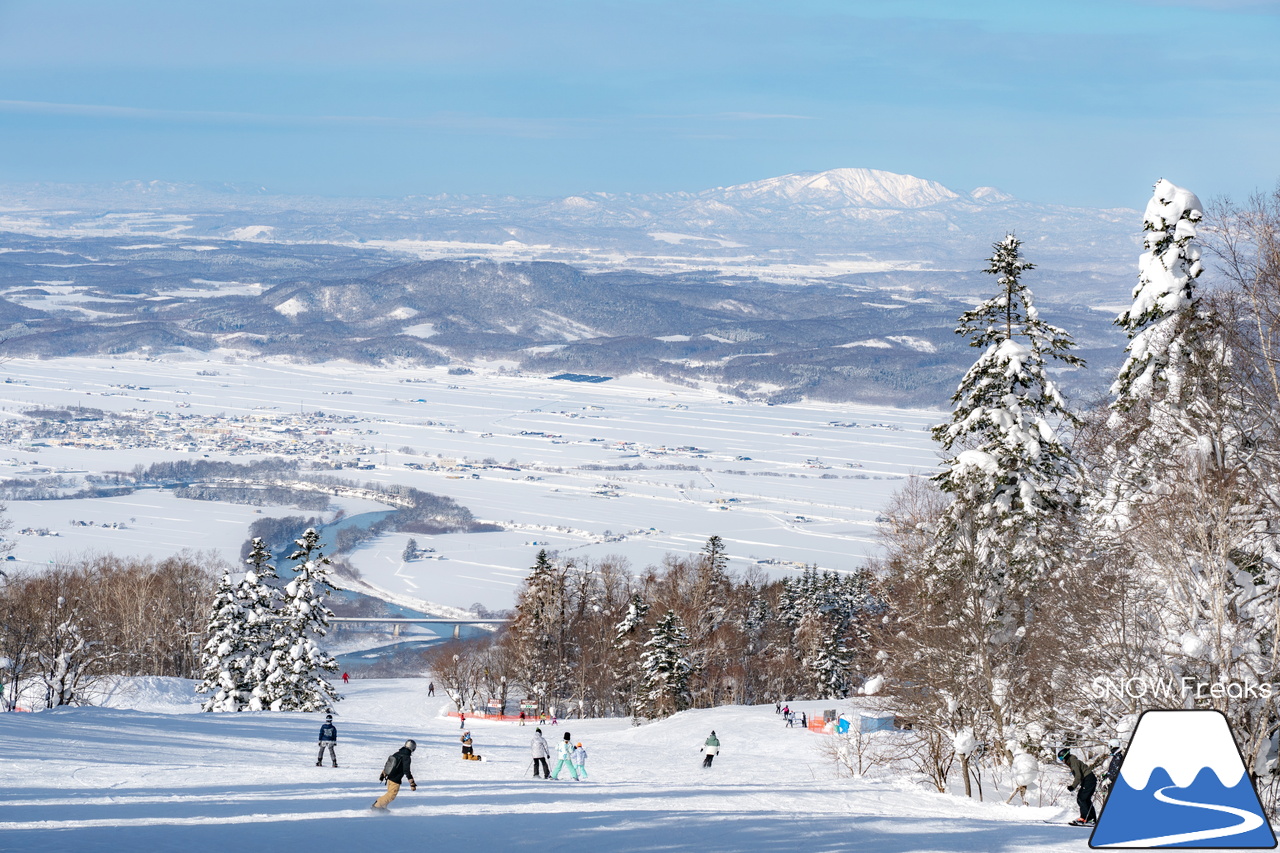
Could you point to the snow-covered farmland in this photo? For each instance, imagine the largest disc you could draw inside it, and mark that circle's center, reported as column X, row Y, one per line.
column 629, row 467
column 151, row 773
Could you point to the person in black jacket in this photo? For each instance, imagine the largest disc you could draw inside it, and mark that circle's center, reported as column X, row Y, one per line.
column 397, row 768
column 1116, row 760
column 1083, row 782
column 328, row 739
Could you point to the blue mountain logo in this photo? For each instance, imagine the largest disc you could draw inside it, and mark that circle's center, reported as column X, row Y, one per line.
column 1183, row 784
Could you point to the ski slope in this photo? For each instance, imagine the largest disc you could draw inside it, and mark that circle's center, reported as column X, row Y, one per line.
column 152, row 773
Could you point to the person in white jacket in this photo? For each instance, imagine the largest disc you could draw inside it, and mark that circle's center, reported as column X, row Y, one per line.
column 580, row 760
column 565, row 753
column 541, row 752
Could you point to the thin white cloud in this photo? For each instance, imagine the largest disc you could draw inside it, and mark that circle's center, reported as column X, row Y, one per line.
column 451, row 121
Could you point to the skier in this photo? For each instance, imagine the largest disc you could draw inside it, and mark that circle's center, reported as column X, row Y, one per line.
column 711, row 748
column 462, row 720
column 328, row 738
column 580, row 760
column 345, row 678
column 565, row 753
column 522, row 718
column 541, row 752
column 790, row 718
column 398, row 767
column 1083, row 782
column 1112, row 772
column 804, row 720
column 431, row 688
column 467, row 752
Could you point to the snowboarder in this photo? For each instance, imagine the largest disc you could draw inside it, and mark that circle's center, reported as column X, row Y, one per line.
column 1083, row 782
column 541, row 752
column 397, row 768
column 329, row 739
column 345, row 678
column 579, row 757
column 711, row 748
column 522, row 718
column 565, row 753
column 467, row 751
column 1112, row 773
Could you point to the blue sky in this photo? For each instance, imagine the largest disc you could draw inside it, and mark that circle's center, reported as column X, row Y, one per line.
column 1076, row 101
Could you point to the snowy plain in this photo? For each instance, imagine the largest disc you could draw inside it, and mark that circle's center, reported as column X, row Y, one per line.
column 149, row 772
column 784, row 486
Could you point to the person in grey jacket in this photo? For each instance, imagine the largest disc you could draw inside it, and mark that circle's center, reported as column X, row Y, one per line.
column 541, row 752
column 328, row 739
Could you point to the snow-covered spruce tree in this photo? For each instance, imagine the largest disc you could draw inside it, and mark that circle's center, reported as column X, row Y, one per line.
column 626, row 654
column 831, row 664
column 1183, row 507
column 665, row 666
column 1011, row 522
column 222, row 661
column 243, row 630
column 294, row 679
column 538, row 635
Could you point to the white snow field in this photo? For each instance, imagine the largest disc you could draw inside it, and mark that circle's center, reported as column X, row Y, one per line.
column 154, row 774
column 788, row 485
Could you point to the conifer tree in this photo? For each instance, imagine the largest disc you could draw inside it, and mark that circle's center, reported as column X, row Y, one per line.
column 1182, row 508
column 295, row 671
column 665, row 665
column 1015, row 491
column 243, row 630
column 538, row 631
column 626, row 653
column 222, row 662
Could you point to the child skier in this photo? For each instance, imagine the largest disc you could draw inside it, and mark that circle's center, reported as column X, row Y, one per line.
column 1083, row 782
column 328, row 740
column 1112, row 772
column 579, row 757
column 565, row 753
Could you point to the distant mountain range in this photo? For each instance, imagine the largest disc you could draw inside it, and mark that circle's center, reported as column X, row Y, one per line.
column 811, row 225
column 843, row 284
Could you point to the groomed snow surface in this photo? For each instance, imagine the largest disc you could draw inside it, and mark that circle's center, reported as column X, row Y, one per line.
column 151, row 773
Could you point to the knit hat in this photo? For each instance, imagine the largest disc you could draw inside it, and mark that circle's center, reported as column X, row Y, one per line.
column 537, row 731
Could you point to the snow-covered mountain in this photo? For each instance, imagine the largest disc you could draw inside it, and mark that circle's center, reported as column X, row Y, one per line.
column 839, row 188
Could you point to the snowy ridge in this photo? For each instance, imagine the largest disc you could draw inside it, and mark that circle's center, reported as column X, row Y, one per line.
column 841, row 188
column 1183, row 743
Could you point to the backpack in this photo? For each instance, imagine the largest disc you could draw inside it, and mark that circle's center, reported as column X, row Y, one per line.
column 393, row 762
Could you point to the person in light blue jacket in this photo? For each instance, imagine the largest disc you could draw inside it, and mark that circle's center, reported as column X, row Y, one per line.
column 580, row 760
column 565, row 753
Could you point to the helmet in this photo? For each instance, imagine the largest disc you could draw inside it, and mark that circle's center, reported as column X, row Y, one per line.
column 579, row 743
column 1114, row 743
column 411, row 745
column 1063, row 753
column 328, row 718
